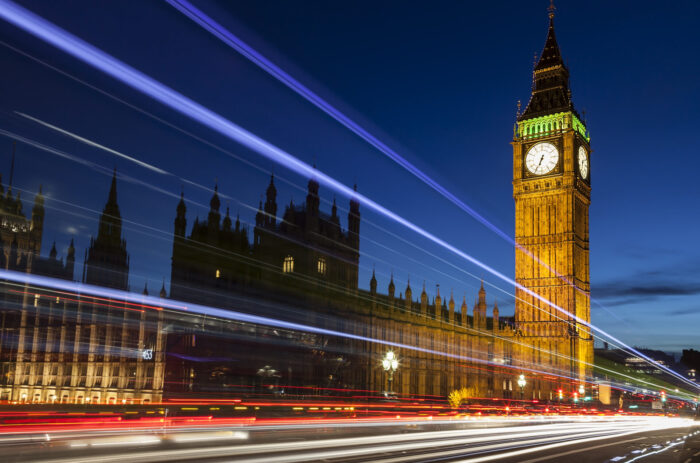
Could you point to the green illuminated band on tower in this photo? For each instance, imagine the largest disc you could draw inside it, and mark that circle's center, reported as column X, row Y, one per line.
column 551, row 124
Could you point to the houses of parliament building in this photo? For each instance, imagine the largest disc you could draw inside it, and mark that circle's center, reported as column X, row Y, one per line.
column 301, row 265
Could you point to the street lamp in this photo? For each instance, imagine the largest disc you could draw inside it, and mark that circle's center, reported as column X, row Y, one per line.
column 521, row 383
column 390, row 364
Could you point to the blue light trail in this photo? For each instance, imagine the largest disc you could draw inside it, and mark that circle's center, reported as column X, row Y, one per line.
column 278, row 73
column 225, row 314
column 52, row 34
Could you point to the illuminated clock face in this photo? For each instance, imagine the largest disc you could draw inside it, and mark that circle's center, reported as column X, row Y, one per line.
column 583, row 162
column 542, row 158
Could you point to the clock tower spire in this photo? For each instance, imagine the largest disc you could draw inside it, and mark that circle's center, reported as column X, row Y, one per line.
column 551, row 189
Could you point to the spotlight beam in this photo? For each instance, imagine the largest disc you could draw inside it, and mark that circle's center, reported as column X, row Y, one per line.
column 83, row 51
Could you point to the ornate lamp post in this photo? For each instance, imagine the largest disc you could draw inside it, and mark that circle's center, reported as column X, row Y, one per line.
column 521, row 383
column 390, row 363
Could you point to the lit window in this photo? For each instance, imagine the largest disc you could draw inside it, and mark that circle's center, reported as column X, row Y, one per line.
column 321, row 266
column 218, row 273
column 288, row 265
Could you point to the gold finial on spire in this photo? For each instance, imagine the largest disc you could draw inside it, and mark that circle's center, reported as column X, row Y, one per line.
column 551, row 9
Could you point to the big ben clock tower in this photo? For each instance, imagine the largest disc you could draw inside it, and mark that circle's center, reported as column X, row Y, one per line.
column 552, row 191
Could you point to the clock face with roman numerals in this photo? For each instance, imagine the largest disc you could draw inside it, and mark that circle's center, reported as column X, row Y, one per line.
column 583, row 162
column 542, row 158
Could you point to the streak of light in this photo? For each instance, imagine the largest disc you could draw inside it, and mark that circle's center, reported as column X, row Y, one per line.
column 300, row 89
column 90, row 54
column 94, row 144
column 206, row 437
column 229, row 153
column 493, row 439
column 251, row 54
column 41, row 281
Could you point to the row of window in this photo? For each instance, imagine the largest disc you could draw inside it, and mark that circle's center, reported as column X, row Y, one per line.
column 288, row 266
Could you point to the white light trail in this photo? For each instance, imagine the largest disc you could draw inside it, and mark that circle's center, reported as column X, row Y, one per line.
column 94, row 144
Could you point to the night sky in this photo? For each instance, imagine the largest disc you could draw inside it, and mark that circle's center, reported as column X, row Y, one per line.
column 437, row 81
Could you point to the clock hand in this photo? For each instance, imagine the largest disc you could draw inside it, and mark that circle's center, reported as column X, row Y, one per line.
column 541, row 159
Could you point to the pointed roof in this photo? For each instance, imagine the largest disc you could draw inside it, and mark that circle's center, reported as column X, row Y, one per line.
column 551, row 54
column 550, row 89
column 271, row 190
column 163, row 293
column 112, row 198
column 111, row 206
column 181, row 207
column 215, row 203
column 145, row 289
column 227, row 220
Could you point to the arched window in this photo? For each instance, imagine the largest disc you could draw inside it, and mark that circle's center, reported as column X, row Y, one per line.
column 321, row 265
column 218, row 273
column 288, row 264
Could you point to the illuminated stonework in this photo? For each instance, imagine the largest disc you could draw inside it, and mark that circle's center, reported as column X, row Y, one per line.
column 552, row 124
column 551, row 226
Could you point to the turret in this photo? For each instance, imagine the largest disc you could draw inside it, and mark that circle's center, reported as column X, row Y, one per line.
column 145, row 289
column 482, row 296
column 312, row 205
column 438, row 305
column 53, row 253
column 335, row 220
column 452, row 308
column 496, row 324
column 107, row 261
column 271, row 203
column 392, row 290
column 163, row 293
column 409, row 296
column 180, row 217
column 227, row 221
column 214, row 205
column 424, row 301
column 373, row 284
column 464, row 309
column 110, row 228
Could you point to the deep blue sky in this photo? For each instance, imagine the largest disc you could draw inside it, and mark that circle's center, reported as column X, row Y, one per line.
column 437, row 81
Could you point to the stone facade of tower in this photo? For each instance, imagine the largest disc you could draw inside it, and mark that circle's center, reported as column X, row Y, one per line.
column 106, row 261
column 20, row 236
column 552, row 191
